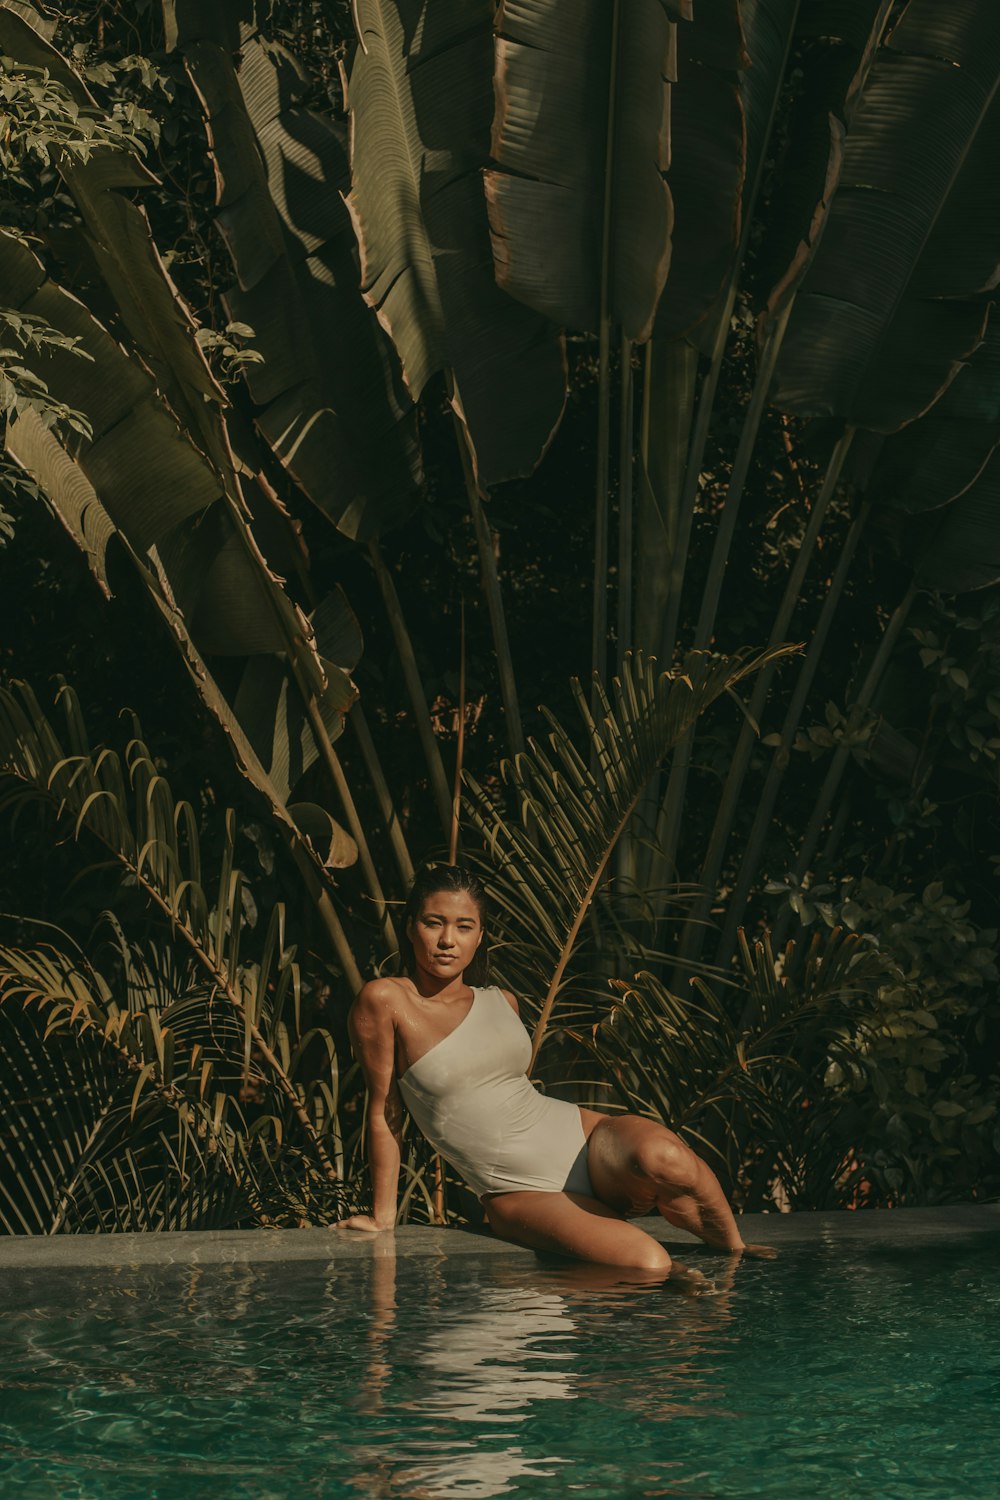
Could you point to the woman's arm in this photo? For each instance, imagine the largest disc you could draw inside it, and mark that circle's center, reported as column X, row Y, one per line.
column 373, row 1037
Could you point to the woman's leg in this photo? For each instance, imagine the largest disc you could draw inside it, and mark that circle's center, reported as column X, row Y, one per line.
column 637, row 1165
column 571, row 1224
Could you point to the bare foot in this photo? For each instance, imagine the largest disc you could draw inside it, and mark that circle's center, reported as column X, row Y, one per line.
column 363, row 1222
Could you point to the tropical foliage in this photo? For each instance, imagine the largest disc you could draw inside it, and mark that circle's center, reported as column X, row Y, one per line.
column 316, row 330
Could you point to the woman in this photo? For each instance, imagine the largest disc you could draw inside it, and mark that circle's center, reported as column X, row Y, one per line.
column 551, row 1175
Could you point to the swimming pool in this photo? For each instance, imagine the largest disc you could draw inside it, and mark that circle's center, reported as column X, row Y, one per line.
column 847, row 1367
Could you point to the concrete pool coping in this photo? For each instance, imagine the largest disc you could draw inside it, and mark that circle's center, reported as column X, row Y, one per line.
column 902, row 1227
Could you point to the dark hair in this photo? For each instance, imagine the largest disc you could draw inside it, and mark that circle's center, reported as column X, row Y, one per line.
column 456, row 880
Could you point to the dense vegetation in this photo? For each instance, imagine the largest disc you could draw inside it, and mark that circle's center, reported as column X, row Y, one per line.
column 337, row 443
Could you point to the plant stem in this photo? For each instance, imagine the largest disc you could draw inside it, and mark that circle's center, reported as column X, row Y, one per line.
column 456, row 802
column 782, row 755
column 842, row 754
column 694, row 928
column 626, row 628
column 599, row 636
column 62, row 1207
column 325, row 909
column 415, row 688
column 386, row 807
column 336, row 772
column 625, row 856
column 599, row 630
column 494, row 598
column 671, row 817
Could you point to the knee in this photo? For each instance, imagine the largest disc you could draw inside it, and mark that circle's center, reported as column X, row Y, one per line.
column 667, row 1160
column 651, row 1257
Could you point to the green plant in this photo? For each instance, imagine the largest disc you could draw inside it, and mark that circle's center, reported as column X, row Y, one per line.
column 924, row 1055
column 200, row 1025
column 546, row 858
column 747, row 479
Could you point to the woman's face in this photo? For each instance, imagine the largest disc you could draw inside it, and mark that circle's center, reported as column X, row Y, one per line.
column 445, row 933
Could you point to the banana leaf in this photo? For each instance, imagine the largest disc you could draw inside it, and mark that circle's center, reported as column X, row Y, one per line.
column 871, row 340
column 709, row 129
column 141, row 476
column 933, row 461
column 420, row 96
column 580, row 210
column 117, row 233
column 708, row 147
column 960, row 549
column 328, row 396
column 187, row 21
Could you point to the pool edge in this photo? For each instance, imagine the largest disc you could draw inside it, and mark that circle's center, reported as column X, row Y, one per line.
column 907, row 1227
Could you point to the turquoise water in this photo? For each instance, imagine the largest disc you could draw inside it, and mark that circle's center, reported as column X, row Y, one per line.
column 824, row 1374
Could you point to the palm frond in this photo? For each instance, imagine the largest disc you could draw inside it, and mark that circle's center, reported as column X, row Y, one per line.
column 748, row 1089
column 126, row 805
column 544, row 863
column 104, row 1125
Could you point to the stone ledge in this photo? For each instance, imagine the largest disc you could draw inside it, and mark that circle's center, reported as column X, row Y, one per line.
column 903, row 1227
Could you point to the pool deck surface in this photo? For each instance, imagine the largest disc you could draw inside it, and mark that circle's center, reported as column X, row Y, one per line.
column 909, row 1227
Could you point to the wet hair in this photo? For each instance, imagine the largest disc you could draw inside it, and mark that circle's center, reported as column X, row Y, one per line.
column 455, row 880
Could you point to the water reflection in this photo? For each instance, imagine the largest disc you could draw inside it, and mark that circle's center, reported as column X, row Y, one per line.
column 503, row 1360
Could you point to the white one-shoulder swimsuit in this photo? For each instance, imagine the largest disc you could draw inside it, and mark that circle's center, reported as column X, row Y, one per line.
column 471, row 1097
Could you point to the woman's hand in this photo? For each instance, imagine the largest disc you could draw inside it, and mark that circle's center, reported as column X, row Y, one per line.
column 756, row 1252
column 366, row 1223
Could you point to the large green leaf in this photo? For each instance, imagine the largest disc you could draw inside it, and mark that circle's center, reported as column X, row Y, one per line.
column 709, row 137
column 942, row 468
column 832, row 71
column 73, row 497
column 708, row 143
column 675, row 425
column 186, row 532
column 273, row 715
column 119, row 239
column 420, row 95
column 881, row 323
column 932, row 461
column 959, row 548
column 580, row 211
column 329, row 398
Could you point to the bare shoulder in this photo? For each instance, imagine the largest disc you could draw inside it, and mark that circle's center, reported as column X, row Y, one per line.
column 378, row 1000
column 384, row 990
column 511, row 1001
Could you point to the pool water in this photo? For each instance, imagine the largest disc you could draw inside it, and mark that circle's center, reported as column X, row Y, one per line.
column 826, row 1373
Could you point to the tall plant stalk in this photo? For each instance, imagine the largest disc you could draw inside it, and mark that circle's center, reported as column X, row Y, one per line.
column 383, row 797
column 326, row 911
column 842, row 754
column 494, row 597
column 602, row 475
column 335, row 769
column 671, row 816
column 415, row 689
column 694, row 928
column 356, row 826
column 456, row 804
column 782, row 755
column 599, row 640
column 626, row 543
column 625, row 858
